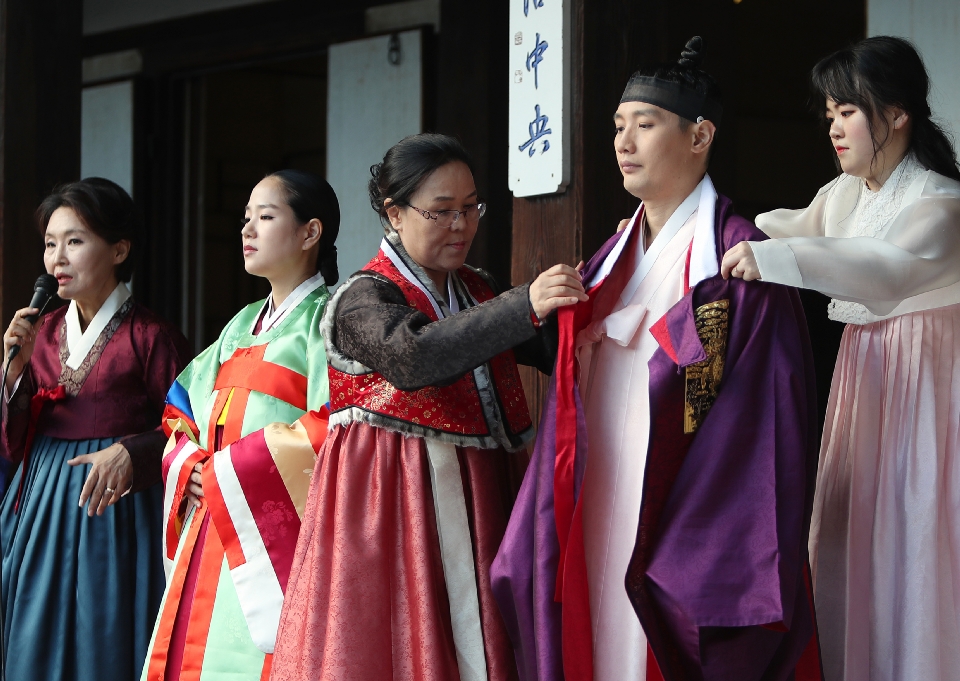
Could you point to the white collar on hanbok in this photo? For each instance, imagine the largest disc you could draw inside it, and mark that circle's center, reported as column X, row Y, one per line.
column 272, row 317
column 453, row 305
column 80, row 343
column 703, row 252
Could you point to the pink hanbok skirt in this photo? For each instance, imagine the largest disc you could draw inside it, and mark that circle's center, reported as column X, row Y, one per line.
column 885, row 535
column 367, row 598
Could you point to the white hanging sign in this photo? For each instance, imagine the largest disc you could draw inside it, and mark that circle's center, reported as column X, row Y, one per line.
column 539, row 155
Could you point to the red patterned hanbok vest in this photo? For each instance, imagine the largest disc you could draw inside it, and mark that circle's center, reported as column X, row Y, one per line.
column 454, row 412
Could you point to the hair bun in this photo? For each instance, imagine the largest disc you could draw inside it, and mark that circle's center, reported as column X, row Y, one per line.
column 692, row 54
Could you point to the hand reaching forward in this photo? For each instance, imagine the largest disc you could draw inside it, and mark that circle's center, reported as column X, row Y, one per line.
column 739, row 262
column 558, row 286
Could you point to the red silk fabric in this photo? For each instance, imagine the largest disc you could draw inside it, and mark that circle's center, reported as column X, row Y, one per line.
column 367, row 598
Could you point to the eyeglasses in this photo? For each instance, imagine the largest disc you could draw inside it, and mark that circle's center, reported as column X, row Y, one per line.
column 447, row 218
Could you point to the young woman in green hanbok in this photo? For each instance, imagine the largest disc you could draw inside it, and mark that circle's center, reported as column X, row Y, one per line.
column 235, row 488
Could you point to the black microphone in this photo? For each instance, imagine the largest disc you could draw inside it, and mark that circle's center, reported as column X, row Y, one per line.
column 43, row 292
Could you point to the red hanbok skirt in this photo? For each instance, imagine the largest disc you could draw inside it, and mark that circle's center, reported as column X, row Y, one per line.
column 367, row 598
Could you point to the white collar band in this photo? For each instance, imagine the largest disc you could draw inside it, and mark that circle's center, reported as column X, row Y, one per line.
column 453, row 306
column 272, row 318
column 80, row 343
column 703, row 257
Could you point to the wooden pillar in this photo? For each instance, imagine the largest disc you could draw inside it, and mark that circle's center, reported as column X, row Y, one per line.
column 40, row 82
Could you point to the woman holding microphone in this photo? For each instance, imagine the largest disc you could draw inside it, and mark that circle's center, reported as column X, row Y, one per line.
column 84, row 397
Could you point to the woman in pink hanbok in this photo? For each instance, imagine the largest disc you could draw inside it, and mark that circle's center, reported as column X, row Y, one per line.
column 883, row 240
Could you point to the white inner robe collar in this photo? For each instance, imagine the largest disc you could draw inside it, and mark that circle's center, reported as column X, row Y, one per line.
column 271, row 317
column 80, row 343
column 703, row 256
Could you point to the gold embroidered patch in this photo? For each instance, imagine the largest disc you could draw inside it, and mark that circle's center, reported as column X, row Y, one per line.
column 703, row 378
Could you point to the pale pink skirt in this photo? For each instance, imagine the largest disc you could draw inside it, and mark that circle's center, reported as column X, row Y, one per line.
column 885, row 536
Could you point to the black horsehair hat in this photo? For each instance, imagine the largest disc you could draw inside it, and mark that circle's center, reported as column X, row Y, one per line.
column 675, row 88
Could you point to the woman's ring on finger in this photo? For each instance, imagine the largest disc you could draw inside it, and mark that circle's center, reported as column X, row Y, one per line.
column 109, row 490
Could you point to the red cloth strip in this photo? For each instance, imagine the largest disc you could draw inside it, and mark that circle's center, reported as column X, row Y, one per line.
column 201, row 610
column 570, row 320
column 267, row 665
column 809, row 667
column 183, row 475
column 571, row 588
column 218, row 405
column 315, row 423
column 221, row 518
column 661, row 334
column 566, row 436
column 233, row 425
column 157, row 664
column 248, row 370
column 653, row 669
column 171, row 413
column 576, row 630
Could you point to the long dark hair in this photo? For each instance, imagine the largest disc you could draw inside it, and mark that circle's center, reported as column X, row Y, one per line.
column 407, row 164
column 310, row 196
column 105, row 208
column 879, row 73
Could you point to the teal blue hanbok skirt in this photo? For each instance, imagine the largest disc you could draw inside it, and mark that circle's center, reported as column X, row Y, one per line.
column 80, row 595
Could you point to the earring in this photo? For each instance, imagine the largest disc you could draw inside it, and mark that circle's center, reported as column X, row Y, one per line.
column 699, row 119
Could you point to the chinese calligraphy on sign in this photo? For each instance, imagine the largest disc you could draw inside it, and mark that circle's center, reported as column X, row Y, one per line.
column 526, row 6
column 539, row 155
column 538, row 129
column 534, row 58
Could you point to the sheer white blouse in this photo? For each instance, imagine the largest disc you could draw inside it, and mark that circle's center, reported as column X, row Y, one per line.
column 877, row 254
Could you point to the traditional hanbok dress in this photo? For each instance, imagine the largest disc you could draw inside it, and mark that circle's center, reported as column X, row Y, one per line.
column 413, row 487
column 885, row 536
column 228, row 560
column 79, row 594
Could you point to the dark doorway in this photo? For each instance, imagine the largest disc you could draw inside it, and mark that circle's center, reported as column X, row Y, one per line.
column 255, row 120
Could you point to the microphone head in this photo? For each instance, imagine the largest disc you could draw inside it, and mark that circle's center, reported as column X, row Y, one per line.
column 47, row 283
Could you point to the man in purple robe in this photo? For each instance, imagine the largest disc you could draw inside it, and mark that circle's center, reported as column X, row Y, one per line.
column 661, row 529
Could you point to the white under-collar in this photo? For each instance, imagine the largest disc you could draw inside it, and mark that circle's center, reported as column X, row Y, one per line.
column 80, row 343
column 453, row 304
column 703, row 256
column 272, row 317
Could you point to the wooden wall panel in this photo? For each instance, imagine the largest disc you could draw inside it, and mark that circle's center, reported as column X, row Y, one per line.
column 39, row 130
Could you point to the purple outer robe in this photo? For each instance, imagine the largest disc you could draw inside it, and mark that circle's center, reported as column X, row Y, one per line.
column 722, row 541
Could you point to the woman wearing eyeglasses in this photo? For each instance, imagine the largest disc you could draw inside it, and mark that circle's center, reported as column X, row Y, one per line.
column 412, row 489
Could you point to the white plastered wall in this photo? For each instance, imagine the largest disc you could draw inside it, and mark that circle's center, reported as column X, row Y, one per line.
column 106, row 139
column 934, row 27
column 372, row 104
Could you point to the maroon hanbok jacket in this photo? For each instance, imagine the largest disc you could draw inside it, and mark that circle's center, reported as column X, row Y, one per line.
column 719, row 576
column 118, row 391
